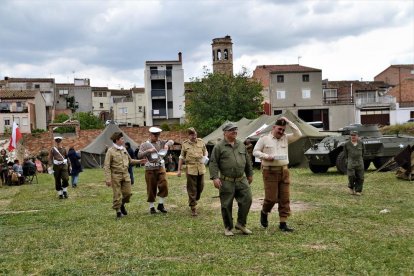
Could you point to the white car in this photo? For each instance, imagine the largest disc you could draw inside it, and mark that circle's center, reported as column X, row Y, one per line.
column 110, row 121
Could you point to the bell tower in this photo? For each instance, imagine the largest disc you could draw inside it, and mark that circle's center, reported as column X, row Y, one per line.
column 222, row 55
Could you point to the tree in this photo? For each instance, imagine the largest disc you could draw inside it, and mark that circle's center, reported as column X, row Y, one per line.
column 88, row 121
column 219, row 97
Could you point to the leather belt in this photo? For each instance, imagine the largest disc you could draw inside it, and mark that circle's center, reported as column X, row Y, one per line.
column 233, row 179
column 274, row 168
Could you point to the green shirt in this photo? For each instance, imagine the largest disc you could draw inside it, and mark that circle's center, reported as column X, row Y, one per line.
column 230, row 161
column 354, row 154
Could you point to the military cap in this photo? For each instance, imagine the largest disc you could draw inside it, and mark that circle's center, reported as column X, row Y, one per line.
column 155, row 130
column 116, row 135
column 191, row 130
column 354, row 132
column 229, row 126
column 280, row 122
column 58, row 138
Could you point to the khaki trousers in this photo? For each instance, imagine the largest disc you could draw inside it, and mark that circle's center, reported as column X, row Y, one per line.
column 195, row 186
column 121, row 187
column 276, row 187
column 156, row 179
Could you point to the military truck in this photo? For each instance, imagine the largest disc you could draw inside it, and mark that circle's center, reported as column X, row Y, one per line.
column 379, row 149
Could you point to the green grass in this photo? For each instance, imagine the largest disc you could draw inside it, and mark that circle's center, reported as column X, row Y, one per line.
column 336, row 233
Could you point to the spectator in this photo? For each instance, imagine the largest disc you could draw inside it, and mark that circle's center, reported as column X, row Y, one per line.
column 76, row 166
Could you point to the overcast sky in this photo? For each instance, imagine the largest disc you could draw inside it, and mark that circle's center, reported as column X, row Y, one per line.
column 109, row 41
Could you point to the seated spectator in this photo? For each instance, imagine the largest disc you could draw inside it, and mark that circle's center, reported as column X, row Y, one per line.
column 29, row 168
column 19, row 170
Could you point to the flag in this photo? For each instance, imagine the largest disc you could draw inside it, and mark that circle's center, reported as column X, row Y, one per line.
column 16, row 136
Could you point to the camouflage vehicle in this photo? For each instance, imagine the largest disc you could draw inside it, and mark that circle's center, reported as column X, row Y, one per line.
column 379, row 149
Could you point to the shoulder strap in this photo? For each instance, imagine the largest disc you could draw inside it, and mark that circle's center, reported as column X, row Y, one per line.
column 59, row 152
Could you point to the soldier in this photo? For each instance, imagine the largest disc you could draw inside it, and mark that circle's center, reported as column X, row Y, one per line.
column 354, row 152
column 272, row 149
column 117, row 161
column 194, row 153
column 228, row 164
column 155, row 175
column 58, row 162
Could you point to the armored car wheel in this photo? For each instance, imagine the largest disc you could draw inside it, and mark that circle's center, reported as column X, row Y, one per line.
column 340, row 163
column 318, row 168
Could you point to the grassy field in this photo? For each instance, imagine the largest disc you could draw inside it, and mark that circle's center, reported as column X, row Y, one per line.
column 336, row 233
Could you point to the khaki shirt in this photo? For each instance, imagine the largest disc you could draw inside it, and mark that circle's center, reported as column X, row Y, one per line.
column 153, row 164
column 192, row 153
column 54, row 155
column 117, row 162
column 230, row 161
column 270, row 146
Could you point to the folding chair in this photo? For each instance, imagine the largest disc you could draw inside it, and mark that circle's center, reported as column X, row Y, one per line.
column 29, row 173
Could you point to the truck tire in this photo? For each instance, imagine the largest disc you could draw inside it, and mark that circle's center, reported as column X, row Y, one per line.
column 318, row 169
column 340, row 163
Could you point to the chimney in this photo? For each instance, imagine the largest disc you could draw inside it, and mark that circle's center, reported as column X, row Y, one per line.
column 180, row 57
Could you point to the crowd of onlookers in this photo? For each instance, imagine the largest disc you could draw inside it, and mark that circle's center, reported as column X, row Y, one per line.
column 14, row 172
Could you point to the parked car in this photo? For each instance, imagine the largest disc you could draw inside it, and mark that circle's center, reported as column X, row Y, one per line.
column 410, row 120
column 110, row 121
column 316, row 124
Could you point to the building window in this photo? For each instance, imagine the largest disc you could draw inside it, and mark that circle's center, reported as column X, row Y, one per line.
column 123, row 110
column 330, row 95
column 280, row 94
column 100, row 105
column 63, row 92
column 277, row 112
column 306, row 94
column 169, row 85
column 37, row 86
column 280, row 78
column 139, row 108
column 170, row 104
column 226, row 54
column 305, row 78
column 25, row 121
column 7, row 121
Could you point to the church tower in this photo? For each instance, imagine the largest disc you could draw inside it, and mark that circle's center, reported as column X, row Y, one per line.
column 222, row 55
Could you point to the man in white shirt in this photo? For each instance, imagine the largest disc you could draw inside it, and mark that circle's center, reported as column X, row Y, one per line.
column 272, row 150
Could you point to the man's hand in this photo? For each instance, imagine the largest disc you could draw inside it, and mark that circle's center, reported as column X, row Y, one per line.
column 108, row 183
column 179, row 173
column 250, row 179
column 217, row 183
column 268, row 158
column 151, row 150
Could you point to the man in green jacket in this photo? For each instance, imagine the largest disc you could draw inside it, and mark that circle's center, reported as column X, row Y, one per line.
column 354, row 152
column 232, row 173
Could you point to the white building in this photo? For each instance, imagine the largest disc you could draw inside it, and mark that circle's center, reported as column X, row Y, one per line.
column 164, row 92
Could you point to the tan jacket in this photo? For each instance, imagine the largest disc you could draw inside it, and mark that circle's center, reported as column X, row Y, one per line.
column 117, row 162
column 192, row 154
column 270, row 146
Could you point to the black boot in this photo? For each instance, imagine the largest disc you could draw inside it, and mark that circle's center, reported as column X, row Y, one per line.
column 263, row 219
column 161, row 208
column 65, row 194
column 284, row 228
column 153, row 211
column 119, row 215
column 123, row 210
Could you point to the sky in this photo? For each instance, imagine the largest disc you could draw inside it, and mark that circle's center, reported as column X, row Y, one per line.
column 109, row 41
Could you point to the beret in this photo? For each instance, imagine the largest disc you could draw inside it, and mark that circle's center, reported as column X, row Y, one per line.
column 191, row 130
column 116, row 135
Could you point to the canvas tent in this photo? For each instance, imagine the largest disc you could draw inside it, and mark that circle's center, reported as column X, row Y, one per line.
column 93, row 155
column 253, row 129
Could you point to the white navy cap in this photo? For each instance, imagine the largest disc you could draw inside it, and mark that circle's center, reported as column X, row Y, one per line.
column 155, row 130
column 58, row 138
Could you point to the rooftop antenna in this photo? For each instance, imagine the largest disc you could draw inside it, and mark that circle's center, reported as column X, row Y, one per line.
column 299, row 57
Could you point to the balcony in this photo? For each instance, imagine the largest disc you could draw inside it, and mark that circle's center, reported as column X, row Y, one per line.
column 158, row 93
column 159, row 113
column 380, row 101
column 337, row 100
column 157, row 74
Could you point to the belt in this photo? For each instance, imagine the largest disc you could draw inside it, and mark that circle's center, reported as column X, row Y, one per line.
column 233, row 179
column 274, row 168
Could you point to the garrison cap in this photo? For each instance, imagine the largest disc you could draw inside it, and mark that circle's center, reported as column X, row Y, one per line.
column 191, row 130
column 116, row 135
column 229, row 126
column 155, row 130
column 354, row 132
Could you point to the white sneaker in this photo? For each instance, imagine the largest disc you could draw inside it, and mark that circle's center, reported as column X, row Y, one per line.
column 228, row 232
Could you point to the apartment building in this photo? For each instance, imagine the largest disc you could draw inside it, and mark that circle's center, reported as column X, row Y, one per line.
column 164, row 92
column 25, row 107
column 73, row 97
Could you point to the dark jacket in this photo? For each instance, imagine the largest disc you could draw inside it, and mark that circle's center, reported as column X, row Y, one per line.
column 74, row 158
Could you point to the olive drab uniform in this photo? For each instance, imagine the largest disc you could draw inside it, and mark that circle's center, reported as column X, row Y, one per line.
column 58, row 159
column 192, row 153
column 117, row 161
column 231, row 164
column 355, row 165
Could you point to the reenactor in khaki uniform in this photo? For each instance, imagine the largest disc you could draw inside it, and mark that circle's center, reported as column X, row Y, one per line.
column 155, row 175
column 194, row 153
column 232, row 173
column 58, row 162
column 117, row 161
column 354, row 152
column 272, row 150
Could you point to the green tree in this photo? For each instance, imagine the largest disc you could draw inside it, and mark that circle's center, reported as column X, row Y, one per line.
column 88, row 121
column 217, row 97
